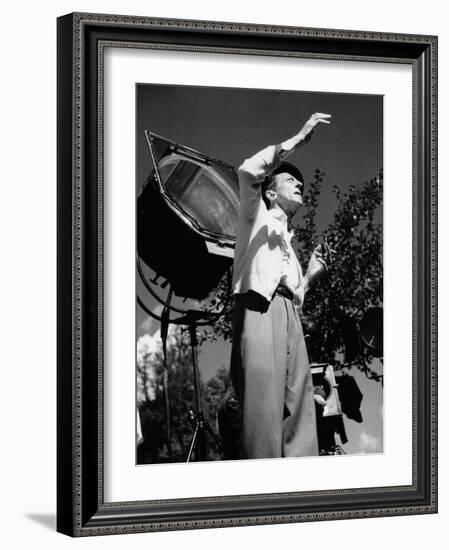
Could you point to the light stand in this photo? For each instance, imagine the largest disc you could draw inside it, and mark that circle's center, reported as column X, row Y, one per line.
column 192, row 319
column 197, row 418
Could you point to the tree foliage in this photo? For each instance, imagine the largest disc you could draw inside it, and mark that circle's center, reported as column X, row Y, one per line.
column 354, row 281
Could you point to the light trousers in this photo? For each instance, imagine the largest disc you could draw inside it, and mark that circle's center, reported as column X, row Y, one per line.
column 272, row 379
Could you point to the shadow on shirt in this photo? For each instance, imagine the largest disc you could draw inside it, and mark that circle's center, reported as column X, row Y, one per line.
column 250, row 248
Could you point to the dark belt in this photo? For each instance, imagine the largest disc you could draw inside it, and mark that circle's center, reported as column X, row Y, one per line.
column 284, row 291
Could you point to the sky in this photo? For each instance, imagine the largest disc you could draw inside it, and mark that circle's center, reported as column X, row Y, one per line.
column 232, row 124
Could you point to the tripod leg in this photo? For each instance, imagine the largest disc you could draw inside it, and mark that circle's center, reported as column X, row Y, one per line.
column 212, row 435
column 193, row 442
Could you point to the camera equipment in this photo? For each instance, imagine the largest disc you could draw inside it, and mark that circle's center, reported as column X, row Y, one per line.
column 328, row 409
column 372, row 330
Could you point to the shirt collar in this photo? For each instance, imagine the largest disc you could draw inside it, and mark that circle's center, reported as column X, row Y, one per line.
column 279, row 215
column 282, row 217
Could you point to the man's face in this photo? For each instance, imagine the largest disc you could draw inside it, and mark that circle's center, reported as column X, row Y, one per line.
column 288, row 190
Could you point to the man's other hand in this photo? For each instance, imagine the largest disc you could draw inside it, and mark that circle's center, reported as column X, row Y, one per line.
column 318, row 263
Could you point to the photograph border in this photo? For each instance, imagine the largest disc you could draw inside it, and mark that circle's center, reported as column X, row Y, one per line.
column 81, row 510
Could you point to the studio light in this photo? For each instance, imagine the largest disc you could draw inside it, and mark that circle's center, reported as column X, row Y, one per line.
column 187, row 216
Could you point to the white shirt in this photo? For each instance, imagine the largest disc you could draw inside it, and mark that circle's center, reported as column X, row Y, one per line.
column 263, row 255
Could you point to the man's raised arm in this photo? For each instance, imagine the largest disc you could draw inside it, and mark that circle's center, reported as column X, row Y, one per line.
column 254, row 169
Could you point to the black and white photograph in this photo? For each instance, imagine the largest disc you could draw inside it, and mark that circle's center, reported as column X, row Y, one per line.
column 222, row 290
column 259, row 274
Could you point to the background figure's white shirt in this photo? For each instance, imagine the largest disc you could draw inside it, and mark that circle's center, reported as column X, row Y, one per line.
column 263, row 256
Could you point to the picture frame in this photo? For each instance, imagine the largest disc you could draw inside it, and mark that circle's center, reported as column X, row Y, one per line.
column 81, row 506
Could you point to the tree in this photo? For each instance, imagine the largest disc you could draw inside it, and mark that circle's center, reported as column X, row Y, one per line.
column 354, row 282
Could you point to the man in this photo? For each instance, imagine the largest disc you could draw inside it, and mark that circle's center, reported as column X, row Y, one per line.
column 269, row 365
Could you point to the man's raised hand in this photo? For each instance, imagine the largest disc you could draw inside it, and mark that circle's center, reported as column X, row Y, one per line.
column 309, row 127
